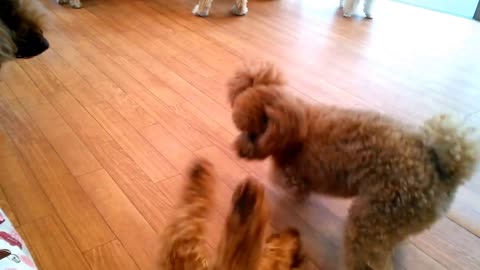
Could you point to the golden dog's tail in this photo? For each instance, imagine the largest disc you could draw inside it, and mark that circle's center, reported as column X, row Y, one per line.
column 253, row 75
column 455, row 152
column 199, row 191
column 184, row 243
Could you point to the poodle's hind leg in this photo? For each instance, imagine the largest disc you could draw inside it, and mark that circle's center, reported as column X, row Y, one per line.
column 367, row 8
column 183, row 241
column 370, row 237
column 241, row 244
column 240, row 7
column 202, row 9
column 349, row 7
column 283, row 251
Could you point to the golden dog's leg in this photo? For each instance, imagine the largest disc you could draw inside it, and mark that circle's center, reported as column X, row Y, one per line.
column 282, row 251
column 183, row 243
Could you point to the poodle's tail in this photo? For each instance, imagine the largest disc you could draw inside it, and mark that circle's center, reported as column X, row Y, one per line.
column 253, row 75
column 455, row 152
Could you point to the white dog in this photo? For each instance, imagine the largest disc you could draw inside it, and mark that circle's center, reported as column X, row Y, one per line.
column 349, row 7
column 203, row 8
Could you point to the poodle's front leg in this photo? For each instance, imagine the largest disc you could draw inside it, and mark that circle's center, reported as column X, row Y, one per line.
column 202, row 9
column 240, row 8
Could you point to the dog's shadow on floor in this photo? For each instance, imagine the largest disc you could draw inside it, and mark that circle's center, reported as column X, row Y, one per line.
column 320, row 222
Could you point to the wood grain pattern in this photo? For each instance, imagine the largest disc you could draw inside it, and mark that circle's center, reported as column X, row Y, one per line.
column 110, row 256
column 96, row 132
column 52, row 245
column 124, row 219
column 71, row 203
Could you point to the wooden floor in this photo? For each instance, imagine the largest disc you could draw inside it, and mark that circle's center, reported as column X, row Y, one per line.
column 96, row 132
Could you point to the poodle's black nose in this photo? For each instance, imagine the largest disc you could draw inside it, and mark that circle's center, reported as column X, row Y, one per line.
column 32, row 45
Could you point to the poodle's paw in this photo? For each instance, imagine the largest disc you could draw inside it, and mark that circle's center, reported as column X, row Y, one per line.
column 239, row 10
column 347, row 14
column 201, row 12
column 369, row 15
column 244, row 146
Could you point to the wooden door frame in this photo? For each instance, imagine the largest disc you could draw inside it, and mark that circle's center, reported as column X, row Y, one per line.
column 476, row 16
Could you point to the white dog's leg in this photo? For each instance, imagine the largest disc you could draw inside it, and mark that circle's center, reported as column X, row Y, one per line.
column 341, row 3
column 240, row 8
column 349, row 7
column 76, row 3
column 72, row 3
column 368, row 8
column 202, row 8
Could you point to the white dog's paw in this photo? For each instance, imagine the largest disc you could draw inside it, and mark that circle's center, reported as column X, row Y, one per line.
column 369, row 15
column 239, row 11
column 75, row 3
column 347, row 14
column 200, row 13
column 62, row 2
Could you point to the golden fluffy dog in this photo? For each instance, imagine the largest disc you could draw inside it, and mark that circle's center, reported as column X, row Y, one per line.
column 403, row 179
column 21, row 29
column 242, row 245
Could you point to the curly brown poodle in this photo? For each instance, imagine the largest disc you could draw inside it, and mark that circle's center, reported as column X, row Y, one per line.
column 242, row 245
column 403, row 178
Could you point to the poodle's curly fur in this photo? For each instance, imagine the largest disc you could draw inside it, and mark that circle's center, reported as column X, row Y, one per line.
column 242, row 245
column 403, row 179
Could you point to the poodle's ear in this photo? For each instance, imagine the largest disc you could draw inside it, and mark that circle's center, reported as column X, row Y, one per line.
column 253, row 75
column 248, row 112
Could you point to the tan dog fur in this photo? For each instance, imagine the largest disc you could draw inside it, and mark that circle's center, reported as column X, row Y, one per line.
column 242, row 246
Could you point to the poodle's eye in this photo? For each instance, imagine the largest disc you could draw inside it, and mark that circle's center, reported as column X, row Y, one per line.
column 264, row 119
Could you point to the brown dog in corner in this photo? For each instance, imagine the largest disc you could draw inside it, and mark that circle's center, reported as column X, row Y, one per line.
column 242, row 246
column 21, row 29
column 403, row 178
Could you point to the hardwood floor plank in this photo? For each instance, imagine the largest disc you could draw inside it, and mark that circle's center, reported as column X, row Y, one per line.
column 136, row 185
column 450, row 245
column 63, row 139
column 5, row 207
column 54, row 248
column 85, row 224
column 166, row 143
column 22, row 191
column 155, row 165
column 465, row 210
column 110, row 256
column 121, row 215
